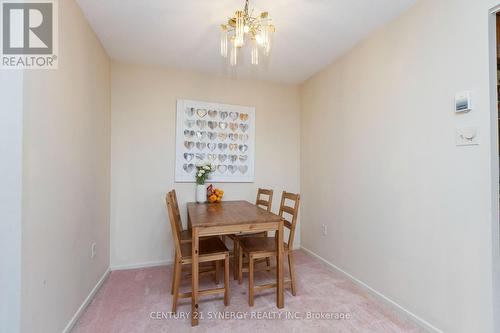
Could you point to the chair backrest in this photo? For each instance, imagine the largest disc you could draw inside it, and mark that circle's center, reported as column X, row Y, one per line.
column 292, row 211
column 261, row 201
column 174, row 222
column 177, row 210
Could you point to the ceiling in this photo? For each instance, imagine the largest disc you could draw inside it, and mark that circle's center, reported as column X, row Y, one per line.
column 184, row 34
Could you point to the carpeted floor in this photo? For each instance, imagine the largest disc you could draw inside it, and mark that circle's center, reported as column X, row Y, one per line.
column 139, row 301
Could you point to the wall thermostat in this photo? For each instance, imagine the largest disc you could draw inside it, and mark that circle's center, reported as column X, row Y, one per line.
column 463, row 102
column 467, row 136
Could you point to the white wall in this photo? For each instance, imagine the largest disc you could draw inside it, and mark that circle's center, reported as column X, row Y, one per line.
column 143, row 151
column 66, row 177
column 495, row 162
column 408, row 212
column 11, row 135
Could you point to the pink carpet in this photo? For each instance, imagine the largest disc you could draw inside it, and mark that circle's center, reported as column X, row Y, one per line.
column 133, row 301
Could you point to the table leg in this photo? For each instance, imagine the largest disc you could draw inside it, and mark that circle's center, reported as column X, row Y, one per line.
column 280, row 297
column 236, row 254
column 194, row 277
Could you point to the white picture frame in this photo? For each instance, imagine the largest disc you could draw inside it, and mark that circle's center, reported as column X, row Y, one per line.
column 220, row 134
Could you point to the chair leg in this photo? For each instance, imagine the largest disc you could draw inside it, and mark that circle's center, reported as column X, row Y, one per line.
column 268, row 260
column 291, row 267
column 250, row 280
column 217, row 270
column 236, row 254
column 240, row 266
column 173, row 275
column 177, row 282
column 226, row 280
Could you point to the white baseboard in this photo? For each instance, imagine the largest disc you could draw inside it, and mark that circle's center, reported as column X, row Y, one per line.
column 86, row 302
column 142, row 265
column 400, row 309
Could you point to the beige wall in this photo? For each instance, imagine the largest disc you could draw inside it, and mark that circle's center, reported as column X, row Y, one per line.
column 143, row 151
column 65, row 177
column 11, row 169
column 408, row 212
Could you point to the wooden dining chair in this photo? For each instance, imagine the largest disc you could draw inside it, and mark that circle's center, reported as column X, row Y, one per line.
column 262, row 201
column 210, row 250
column 185, row 238
column 265, row 201
column 255, row 248
column 185, row 235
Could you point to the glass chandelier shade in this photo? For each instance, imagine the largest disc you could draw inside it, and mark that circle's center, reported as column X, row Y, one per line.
column 242, row 28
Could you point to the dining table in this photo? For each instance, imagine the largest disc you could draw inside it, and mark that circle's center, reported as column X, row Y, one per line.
column 231, row 217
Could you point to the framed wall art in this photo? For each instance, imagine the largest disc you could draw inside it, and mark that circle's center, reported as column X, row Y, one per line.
column 219, row 134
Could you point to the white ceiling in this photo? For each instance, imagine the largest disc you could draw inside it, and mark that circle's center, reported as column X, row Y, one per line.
column 185, row 33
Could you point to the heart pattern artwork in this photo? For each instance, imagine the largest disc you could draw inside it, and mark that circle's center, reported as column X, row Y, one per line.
column 223, row 115
column 222, row 138
column 200, row 135
column 243, row 127
column 201, row 113
column 243, row 148
column 222, row 157
column 201, row 124
column 243, row 168
column 233, row 115
column 233, row 126
column 188, row 167
column 201, row 145
column 212, row 135
column 212, row 124
column 189, row 134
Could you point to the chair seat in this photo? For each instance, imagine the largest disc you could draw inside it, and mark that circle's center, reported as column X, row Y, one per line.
column 259, row 244
column 207, row 246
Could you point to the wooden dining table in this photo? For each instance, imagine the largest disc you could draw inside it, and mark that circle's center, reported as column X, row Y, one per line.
column 231, row 217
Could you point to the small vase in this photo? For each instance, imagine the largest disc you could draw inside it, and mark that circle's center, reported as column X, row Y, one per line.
column 201, row 193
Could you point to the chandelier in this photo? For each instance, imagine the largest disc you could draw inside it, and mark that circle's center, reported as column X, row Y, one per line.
column 244, row 27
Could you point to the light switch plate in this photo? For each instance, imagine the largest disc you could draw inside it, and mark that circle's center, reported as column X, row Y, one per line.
column 463, row 102
column 467, row 136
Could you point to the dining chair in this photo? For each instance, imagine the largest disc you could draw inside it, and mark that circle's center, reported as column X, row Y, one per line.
column 210, row 250
column 255, row 248
column 185, row 235
column 265, row 201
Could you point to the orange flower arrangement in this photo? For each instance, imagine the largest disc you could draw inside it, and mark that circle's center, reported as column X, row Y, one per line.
column 214, row 194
